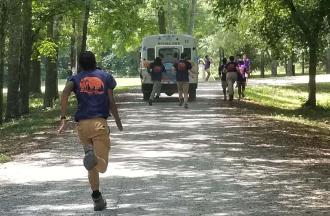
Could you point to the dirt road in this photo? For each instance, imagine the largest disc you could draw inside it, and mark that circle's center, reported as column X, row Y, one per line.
column 213, row 159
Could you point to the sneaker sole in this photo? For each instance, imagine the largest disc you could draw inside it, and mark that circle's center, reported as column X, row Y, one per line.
column 90, row 160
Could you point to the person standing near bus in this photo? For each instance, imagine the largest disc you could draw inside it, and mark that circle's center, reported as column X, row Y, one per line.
column 94, row 92
column 231, row 76
column 182, row 68
column 156, row 69
column 207, row 67
column 222, row 75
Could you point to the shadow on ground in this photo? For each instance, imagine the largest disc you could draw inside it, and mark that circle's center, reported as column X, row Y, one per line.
column 209, row 160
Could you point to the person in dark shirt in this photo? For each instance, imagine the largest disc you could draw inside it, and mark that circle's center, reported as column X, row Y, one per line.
column 94, row 92
column 222, row 75
column 231, row 76
column 182, row 68
column 156, row 70
column 207, row 67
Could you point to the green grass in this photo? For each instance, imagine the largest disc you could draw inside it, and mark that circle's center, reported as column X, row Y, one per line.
column 4, row 158
column 285, row 102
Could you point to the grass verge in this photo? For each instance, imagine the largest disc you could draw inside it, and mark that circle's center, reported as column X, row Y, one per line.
column 285, row 102
column 39, row 121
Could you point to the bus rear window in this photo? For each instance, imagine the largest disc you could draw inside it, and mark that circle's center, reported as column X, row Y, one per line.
column 187, row 51
column 151, row 54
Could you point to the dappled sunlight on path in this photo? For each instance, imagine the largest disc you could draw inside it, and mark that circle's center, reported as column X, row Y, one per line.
column 206, row 160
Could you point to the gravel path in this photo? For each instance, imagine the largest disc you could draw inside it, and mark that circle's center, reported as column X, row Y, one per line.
column 169, row 161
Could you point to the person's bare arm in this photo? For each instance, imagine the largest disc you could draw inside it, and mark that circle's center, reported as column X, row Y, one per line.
column 114, row 110
column 64, row 104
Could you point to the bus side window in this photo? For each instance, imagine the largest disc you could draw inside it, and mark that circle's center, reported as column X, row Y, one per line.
column 151, row 54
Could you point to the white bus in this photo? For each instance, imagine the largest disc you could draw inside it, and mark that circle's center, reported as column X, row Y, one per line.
column 169, row 47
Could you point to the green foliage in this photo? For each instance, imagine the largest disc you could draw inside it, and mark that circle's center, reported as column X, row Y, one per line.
column 47, row 48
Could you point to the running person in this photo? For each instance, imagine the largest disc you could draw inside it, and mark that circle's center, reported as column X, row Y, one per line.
column 231, row 76
column 222, row 75
column 156, row 69
column 182, row 68
column 94, row 92
column 207, row 67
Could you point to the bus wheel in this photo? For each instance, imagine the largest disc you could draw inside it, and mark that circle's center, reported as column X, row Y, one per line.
column 192, row 94
column 169, row 93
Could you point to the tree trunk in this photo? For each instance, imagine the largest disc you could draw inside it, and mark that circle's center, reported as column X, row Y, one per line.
column 73, row 51
column 262, row 64
column 35, row 77
column 286, row 67
column 290, row 66
column 51, row 82
column 3, row 22
column 303, row 62
column 14, row 53
column 311, row 102
column 328, row 61
column 274, row 67
column 85, row 26
column 26, row 56
column 191, row 24
column 161, row 21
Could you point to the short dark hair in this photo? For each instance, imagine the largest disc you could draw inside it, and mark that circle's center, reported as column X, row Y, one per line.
column 158, row 61
column 87, row 61
column 232, row 58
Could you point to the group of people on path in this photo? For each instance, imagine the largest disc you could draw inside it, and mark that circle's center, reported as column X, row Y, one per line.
column 94, row 92
column 182, row 67
column 234, row 71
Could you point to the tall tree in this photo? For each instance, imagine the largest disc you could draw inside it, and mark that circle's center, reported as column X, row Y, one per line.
column 191, row 18
column 161, row 20
column 26, row 56
column 3, row 22
column 73, row 50
column 51, row 82
column 85, row 25
column 14, row 53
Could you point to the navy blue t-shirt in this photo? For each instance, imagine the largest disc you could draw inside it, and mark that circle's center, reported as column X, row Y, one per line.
column 182, row 68
column 91, row 89
column 156, row 72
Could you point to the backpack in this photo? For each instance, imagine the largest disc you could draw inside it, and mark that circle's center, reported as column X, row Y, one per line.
column 182, row 67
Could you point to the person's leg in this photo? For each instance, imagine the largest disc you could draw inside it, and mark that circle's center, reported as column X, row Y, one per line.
column 101, row 143
column 185, row 93
column 243, row 88
column 152, row 95
column 239, row 84
column 224, row 89
column 230, row 86
column 94, row 136
column 158, row 89
column 180, row 91
column 208, row 75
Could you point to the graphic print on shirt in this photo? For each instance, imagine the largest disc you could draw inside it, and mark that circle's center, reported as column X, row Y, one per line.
column 231, row 67
column 92, row 86
column 158, row 69
column 182, row 67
